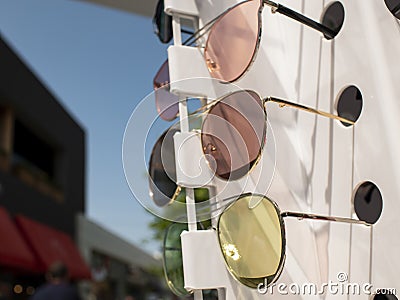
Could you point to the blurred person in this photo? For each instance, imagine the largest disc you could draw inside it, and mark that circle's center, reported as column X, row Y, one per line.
column 57, row 286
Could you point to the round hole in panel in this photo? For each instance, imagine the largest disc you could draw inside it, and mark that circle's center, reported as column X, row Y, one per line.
column 394, row 7
column 368, row 203
column 333, row 17
column 350, row 104
column 385, row 294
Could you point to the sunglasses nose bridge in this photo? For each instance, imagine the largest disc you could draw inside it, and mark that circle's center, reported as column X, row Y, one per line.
column 212, row 65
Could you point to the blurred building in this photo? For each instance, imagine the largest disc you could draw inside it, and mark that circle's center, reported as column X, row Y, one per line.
column 127, row 268
column 42, row 195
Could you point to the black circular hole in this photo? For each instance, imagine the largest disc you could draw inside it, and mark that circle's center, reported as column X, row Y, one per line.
column 350, row 104
column 368, row 202
column 333, row 17
column 394, row 7
column 384, row 295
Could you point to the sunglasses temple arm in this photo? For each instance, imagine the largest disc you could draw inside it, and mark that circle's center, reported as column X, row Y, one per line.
column 279, row 8
column 187, row 31
column 198, row 34
column 283, row 103
column 302, row 216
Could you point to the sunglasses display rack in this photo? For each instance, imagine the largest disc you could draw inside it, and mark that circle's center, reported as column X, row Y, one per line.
column 321, row 165
column 197, row 246
column 203, row 264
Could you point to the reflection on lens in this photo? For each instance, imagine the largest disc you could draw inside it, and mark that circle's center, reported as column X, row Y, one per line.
column 251, row 239
column 173, row 265
column 162, row 169
column 233, row 134
column 232, row 42
column 166, row 102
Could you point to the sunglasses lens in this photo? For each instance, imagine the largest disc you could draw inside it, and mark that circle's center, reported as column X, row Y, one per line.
column 162, row 169
column 166, row 102
column 233, row 134
column 162, row 23
column 232, row 42
column 173, row 265
column 250, row 236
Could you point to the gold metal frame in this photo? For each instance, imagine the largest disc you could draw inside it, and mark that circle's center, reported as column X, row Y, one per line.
column 281, row 216
column 282, row 103
column 275, row 8
column 206, row 109
column 257, row 46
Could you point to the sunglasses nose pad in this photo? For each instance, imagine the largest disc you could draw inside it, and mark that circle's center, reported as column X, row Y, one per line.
column 212, row 65
column 209, row 148
column 212, row 163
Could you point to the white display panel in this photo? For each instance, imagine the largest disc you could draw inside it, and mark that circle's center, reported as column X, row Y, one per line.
column 320, row 162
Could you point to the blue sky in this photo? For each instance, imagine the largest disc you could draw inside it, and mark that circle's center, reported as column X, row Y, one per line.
column 99, row 63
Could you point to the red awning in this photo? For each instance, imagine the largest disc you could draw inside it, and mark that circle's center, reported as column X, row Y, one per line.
column 51, row 245
column 14, row 251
